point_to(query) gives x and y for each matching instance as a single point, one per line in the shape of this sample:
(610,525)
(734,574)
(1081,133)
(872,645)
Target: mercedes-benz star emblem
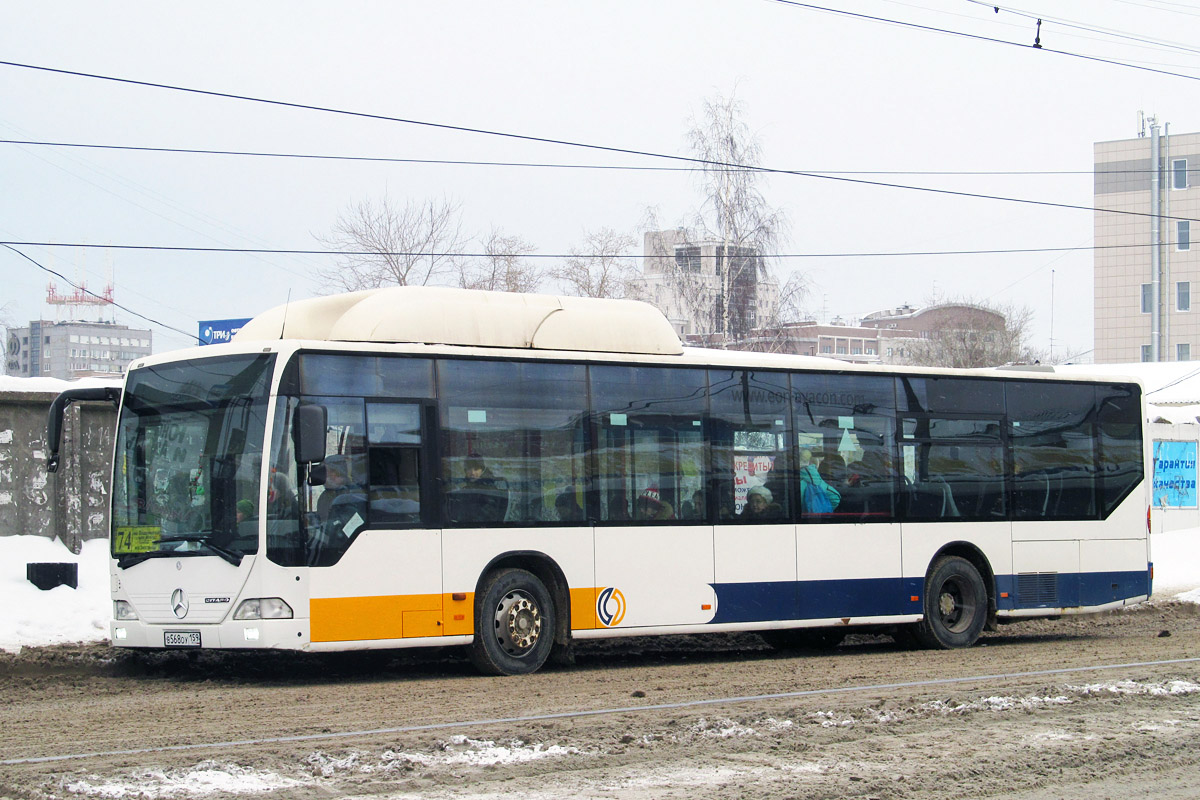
(179,603)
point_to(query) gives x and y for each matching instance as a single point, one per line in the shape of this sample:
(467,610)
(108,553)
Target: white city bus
(411,467)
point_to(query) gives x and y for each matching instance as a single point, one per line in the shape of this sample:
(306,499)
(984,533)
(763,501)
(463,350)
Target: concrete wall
(73,503)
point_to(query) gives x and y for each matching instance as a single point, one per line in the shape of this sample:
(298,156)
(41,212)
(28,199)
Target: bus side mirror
(308,433)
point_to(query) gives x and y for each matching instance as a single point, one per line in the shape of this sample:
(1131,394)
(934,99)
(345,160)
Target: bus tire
(804,638)
(515,620)
(956,605)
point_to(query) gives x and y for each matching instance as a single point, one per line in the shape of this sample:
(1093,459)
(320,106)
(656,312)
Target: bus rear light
(263,608)
(123,610)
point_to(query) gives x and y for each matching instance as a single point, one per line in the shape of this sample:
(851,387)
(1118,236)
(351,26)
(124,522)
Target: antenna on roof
(287,303)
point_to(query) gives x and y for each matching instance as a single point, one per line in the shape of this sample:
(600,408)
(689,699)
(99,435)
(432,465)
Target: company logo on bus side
(610,606)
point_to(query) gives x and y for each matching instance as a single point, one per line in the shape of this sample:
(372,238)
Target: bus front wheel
(515,624)
(956,605)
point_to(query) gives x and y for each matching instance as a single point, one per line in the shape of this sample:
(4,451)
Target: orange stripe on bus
(349,619)
(583,609)
(460,613)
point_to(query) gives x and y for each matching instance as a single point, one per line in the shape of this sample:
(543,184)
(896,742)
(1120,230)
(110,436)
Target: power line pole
(1155,243)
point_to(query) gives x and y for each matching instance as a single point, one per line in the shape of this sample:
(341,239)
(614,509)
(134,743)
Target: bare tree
(502,267)
(601,266)
(734,213)
(390,245)
(973,334)
(711,275)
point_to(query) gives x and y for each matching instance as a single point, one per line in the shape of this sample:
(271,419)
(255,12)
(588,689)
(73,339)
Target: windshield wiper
(133,559)
(127,560)
(231,556)
(202,538)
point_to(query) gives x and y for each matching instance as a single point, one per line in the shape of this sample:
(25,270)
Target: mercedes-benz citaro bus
(411,467)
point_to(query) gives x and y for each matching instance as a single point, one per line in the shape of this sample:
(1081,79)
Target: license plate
(181,638)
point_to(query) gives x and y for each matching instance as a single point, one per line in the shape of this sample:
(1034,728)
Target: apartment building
(74,349)
(1147,194)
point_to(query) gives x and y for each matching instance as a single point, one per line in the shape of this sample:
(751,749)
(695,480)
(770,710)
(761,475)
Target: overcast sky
(823,91)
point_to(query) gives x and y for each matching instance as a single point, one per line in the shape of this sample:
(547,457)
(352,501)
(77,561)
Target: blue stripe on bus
(881,597)
(1070,589)
(862,597)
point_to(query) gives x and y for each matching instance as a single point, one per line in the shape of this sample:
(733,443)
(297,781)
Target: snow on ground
(10,383)
(318,769)
(33,617)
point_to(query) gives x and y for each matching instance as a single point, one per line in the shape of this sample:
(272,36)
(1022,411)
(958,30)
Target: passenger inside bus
(694,508)
(281,497)
(760,505)
(337,484)
(816,496)
(566,506)
(481,497)
(650,506)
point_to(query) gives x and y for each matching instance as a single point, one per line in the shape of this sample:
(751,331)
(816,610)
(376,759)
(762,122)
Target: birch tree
(734,212)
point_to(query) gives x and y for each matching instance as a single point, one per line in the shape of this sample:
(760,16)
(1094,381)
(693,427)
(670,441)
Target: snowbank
(34,617)
(10,383)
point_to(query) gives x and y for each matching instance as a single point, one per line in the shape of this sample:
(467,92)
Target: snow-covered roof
(13,383)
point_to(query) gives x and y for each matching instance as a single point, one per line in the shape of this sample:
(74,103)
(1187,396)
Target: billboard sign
(219,331)
(1174,474)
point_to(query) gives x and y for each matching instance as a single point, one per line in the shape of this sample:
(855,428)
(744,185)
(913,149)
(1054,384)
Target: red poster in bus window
(749,471)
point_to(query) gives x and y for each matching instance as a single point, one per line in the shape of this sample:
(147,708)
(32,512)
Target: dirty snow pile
(33,617)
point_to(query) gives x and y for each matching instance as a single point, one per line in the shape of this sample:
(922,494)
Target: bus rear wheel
(956,605)
(515,624)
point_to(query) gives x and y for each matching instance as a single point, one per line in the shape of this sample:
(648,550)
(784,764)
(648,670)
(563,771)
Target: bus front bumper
(289,634)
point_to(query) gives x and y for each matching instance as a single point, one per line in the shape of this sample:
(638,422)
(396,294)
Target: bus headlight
(122,610)
(263,608)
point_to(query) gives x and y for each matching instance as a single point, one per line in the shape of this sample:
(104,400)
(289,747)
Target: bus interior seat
(932,499)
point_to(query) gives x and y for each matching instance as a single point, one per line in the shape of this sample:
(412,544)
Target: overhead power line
(1161,44)
(583,145)
(87,291)
(429,254)
(1041,48)
(551,165)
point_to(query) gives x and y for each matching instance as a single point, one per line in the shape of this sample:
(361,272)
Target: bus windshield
(189,458)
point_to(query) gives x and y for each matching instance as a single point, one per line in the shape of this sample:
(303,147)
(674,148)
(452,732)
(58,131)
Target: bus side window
(512,441)
(394,463)
(1054,461)
(649,425)
(844,430)
(1120,427)
(750,435)
(333,511)
(954,469)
